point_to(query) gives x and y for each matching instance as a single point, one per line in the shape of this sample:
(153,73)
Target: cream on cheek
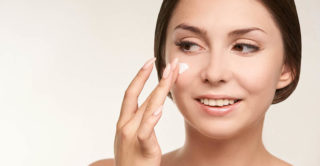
(183,67)
(188,75)
(184,79)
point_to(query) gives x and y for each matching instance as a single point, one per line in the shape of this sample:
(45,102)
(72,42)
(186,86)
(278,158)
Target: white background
(64,66)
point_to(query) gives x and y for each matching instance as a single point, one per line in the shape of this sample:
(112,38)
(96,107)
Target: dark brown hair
(283,12)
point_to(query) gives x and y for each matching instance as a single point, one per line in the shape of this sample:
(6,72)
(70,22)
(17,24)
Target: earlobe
(285,77)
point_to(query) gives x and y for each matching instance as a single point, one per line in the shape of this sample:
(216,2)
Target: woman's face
(224,60)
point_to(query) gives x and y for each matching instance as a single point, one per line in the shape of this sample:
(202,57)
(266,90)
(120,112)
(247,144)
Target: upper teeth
(219,102)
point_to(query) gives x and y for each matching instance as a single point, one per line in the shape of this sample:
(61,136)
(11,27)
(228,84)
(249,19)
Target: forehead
(218,16)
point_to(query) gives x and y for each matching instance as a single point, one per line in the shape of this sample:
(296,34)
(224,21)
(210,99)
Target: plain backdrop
(65,64)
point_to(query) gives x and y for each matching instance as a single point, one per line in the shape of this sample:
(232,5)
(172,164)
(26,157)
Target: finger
(133,124)
(161,91)
(155,103)
(130,101)
(136,121)
(175,74)
(146,135)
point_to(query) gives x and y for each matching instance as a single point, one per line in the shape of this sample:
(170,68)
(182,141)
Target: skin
(218,66)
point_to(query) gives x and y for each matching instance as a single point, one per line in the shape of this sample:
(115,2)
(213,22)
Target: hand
(135,141)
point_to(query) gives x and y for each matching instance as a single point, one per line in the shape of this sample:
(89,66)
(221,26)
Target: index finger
(160,93)
(130,100)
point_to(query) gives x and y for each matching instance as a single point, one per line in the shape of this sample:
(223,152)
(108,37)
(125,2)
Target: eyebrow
(203,32)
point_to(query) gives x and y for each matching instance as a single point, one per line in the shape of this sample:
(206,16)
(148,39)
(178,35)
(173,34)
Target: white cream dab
(183,67)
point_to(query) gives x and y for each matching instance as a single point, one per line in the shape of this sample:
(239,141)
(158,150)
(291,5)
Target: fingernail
(183,67)
(157,112)
(148,63)
(166,71)
(174,63)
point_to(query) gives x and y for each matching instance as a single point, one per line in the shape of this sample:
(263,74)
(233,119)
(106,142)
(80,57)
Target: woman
(237,57)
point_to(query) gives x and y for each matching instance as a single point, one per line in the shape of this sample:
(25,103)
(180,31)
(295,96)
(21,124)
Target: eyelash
(183,44)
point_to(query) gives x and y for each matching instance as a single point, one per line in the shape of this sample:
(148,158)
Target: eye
(187,46)
(245,48)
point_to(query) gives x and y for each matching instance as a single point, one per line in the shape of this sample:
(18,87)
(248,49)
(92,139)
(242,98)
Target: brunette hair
(283,12)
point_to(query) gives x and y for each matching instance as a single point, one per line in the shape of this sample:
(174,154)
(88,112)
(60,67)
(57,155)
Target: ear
(285,77)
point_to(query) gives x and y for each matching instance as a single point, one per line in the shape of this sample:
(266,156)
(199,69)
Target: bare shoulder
(110,162)
(171,158)
(279,162)
(282,163)
(104,162)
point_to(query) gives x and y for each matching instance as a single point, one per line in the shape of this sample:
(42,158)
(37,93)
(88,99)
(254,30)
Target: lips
(218,105)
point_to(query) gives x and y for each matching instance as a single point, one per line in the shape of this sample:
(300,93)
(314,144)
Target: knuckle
(142,137)
(124,133)
(143,134)
(149,122)
(129,92)
(162,85)
(148,111)
(118,127)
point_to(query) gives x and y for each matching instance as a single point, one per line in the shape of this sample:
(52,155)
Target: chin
(219,130)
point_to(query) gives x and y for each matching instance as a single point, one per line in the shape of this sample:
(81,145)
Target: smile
(218,105)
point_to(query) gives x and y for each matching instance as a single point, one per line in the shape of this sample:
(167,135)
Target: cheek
(183,81)
(260,76)
(189,76)
(258,79)
(187,79)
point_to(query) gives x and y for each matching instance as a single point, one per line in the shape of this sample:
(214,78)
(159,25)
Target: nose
(217,70)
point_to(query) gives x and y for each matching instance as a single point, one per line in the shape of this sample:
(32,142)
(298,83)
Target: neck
(244,149)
